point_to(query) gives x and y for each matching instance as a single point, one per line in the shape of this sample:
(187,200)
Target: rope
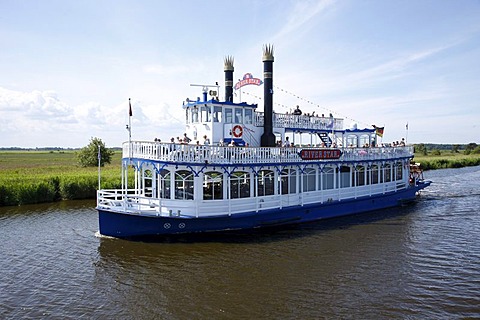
(307,101)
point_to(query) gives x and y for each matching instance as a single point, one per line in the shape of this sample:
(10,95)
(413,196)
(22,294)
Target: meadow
(46,176)
(446,159)
(28,177)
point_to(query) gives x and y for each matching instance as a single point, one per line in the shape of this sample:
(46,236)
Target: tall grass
(447,160)
(36,177)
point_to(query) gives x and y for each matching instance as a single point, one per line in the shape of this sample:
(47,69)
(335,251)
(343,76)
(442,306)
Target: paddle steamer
(238,176)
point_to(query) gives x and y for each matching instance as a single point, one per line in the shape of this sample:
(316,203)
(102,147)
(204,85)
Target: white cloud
(41,118)
(35,105)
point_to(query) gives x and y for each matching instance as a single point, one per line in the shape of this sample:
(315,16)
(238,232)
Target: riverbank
(28,177)
(447,160)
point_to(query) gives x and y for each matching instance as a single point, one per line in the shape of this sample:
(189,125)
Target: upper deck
(302,122)
(201,155)
(213,111)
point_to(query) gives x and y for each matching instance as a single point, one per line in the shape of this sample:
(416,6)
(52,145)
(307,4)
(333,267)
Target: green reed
(36,177)
(447,160)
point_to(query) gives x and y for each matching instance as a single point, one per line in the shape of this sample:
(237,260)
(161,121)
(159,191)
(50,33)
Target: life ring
(237,131)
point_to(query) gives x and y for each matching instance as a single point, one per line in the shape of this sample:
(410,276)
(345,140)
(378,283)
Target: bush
(88,156)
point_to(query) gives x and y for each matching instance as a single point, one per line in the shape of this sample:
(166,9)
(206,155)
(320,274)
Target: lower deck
(186,191)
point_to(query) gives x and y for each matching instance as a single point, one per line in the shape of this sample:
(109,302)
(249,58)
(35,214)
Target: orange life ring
(237,131)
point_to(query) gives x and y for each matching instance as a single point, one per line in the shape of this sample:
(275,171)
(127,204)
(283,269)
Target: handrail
(171,152)
(282,120)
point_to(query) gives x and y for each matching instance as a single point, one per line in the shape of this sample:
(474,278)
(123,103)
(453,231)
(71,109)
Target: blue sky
(67,68)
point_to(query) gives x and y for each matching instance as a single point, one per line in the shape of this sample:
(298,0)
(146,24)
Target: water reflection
(272,273)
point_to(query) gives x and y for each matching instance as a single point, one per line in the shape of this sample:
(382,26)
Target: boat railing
(304,121)
(134,203)
(201,154)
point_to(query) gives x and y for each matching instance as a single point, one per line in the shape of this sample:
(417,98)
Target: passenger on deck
(206,141)
(286,143)
(186,139)
(297,111)
(172,145)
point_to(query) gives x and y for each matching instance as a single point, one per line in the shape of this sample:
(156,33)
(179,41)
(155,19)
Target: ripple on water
(419,261)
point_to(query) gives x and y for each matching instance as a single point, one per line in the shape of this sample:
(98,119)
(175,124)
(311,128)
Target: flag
(379,130)
(130,108)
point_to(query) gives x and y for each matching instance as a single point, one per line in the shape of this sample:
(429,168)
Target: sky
(68,68)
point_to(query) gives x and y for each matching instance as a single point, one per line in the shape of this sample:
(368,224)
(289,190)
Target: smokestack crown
(268,52)
(228,63)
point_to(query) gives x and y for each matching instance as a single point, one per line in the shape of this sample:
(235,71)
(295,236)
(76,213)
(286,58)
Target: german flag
(379,130)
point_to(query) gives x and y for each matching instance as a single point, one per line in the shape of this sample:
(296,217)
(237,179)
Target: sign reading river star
(317,154)
(248,79)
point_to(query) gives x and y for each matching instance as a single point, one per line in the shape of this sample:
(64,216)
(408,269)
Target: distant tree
(421,148)
(436,152)
(470,147)
(476,150)
(88,156)
(455,148)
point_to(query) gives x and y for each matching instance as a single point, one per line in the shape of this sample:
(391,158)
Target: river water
(421,261)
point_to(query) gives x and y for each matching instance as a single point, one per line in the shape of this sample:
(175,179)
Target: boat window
(147,183)
(217,114)
(228,115)
(212,185)
(184,185)
(388,172)
(399,170)
(240,185)
(328,178)
(205,114)
(359,176)
(374,172)
(238,115)
(288,179)
(163,183)
(248,116)
(309,178)
(265,183)
(345,176)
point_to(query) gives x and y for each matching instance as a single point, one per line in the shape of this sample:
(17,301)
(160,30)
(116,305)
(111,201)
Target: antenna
(205,88)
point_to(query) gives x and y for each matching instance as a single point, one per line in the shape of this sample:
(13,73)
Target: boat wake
(99,235)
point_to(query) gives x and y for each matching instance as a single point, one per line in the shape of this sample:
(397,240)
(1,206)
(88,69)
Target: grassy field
(35,177)
(447,159)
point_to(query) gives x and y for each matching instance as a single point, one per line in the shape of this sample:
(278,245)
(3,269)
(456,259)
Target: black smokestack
(268,138)
(228,68)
